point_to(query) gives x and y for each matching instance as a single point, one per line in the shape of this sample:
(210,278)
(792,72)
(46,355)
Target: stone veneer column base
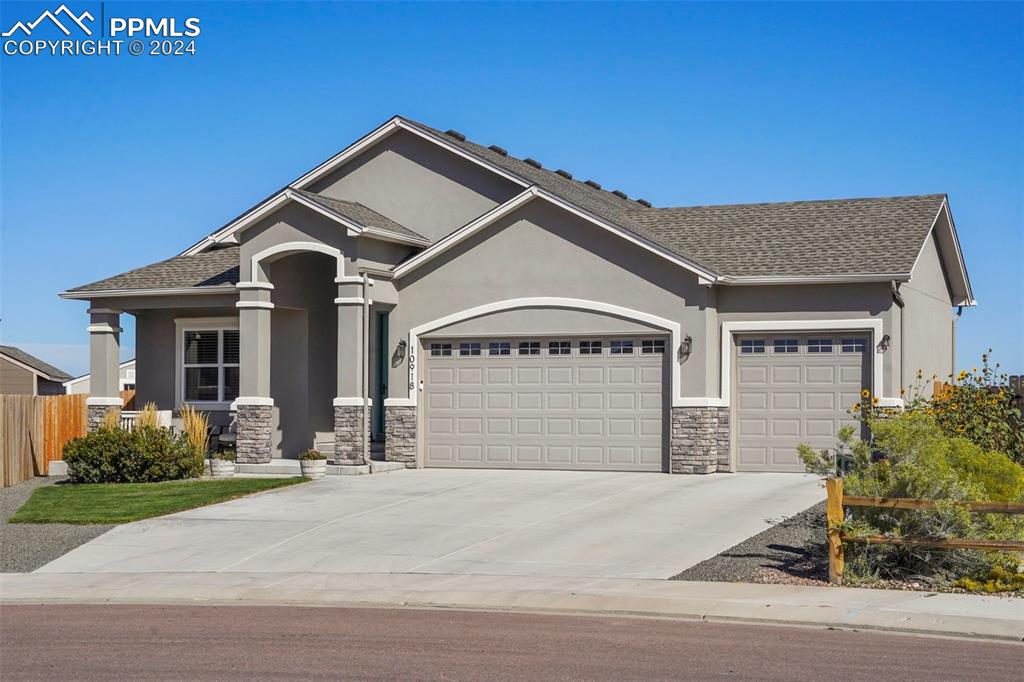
(253,440)
(700,440)
(94,415)
(400,435)
(348,436)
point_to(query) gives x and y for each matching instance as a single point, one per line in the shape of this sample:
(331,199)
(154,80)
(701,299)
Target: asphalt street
(98,642)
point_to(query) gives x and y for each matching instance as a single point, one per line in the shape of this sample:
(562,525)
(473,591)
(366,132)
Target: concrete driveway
(525,523)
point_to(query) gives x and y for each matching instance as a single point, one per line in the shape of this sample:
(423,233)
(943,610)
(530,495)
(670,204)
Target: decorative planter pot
(222,468)
(313,468)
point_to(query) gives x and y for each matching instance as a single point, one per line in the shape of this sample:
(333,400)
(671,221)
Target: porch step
(290,467)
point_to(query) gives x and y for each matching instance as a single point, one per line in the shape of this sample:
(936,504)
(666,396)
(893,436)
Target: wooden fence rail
(835,516)
(35,429)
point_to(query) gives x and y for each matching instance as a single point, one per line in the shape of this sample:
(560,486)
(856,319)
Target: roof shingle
(45,368)
(210,269)
(362,215)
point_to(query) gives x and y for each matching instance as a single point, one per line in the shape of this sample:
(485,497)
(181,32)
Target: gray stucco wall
(541,250)
(16,380)
(417,184)
(927,324)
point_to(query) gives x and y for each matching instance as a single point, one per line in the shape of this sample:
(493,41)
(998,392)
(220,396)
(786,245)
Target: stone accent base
(253,440)
(94,415)
(348,434)
(700,440)
(400,435)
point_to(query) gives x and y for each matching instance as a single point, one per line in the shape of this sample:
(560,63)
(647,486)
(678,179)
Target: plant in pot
(313,464)
(222,464)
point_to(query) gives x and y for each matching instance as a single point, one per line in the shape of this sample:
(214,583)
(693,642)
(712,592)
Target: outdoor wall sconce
(685,347)
(399,355)
(883,345)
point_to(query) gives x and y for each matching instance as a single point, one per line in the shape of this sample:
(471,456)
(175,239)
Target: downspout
(366,368)
(952,360)
(898,299)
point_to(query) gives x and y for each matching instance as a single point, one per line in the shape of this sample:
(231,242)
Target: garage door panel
(568,410)
(805,398)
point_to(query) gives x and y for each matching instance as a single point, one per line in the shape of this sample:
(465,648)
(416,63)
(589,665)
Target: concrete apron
(987,617)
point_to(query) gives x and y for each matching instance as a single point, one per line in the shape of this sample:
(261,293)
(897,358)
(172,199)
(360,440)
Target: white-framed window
(652,346)
(529,347)
(819,345)
(782,346)
(469,348)
(853,345)
(621,347)
(440,350)
(751,346)
(590,347)
(499,348)
(559,347)
(209,364)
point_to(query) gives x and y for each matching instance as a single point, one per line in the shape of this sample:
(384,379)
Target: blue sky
(115,162)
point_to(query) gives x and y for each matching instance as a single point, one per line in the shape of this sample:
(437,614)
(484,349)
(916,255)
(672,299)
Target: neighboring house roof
(83,377)
(362,215)
(801,238)
(213,270)
(33,364)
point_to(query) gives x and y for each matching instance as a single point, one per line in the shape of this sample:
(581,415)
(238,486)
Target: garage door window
(652,346)
(469,349)
(819,345)
(438,350)
(529,347)
(559,348)
(751,346)
(590,347)
(783,346)
(853,345)
(621,347)
(499,348)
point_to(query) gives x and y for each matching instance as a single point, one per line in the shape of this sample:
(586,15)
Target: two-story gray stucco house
(490,312)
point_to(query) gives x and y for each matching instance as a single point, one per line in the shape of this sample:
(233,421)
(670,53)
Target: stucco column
(254,408)
(348,405)
(104,361)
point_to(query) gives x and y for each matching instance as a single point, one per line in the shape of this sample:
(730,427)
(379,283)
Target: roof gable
(33,364)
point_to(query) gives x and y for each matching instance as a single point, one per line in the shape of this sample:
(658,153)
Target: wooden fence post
(834,519)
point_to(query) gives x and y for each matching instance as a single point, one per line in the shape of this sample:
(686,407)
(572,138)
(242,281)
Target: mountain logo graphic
(27,28)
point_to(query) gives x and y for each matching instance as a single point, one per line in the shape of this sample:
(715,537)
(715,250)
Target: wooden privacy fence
(35,430)
(835,516)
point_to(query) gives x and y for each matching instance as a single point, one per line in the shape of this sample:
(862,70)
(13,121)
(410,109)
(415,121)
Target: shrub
(312,455)
(140,456)
(227,455)
(910,456)
(979,405)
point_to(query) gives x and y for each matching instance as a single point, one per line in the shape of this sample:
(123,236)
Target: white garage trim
(673,328)
(872,325)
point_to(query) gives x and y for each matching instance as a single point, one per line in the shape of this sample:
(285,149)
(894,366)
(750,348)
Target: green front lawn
(124,502)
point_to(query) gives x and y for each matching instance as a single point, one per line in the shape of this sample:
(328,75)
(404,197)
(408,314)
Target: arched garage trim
(673,328)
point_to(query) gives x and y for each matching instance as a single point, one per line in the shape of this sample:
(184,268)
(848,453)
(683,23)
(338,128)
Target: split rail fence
(35,429)
(835,515)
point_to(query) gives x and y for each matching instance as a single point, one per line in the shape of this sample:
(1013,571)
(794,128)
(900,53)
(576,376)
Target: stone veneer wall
(94,415)
(348,434)
(252,445)
(700,440)
(400,435)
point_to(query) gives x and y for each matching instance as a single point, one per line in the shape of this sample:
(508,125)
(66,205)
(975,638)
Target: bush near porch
(926,452)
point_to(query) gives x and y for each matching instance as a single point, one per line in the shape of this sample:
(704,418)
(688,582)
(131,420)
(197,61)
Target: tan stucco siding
(543,251)
(928,330)
(16,380)
(418,184)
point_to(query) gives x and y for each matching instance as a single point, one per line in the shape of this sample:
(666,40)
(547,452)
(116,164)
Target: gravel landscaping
(24,547)
(792,551)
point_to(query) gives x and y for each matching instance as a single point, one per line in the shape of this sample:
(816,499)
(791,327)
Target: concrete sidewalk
(997,618)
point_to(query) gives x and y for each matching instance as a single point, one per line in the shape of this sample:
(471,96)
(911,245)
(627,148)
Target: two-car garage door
(791,389)
(552,403)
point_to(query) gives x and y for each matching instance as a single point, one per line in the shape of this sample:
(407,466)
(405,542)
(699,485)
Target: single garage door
(555,403)
(792,389)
